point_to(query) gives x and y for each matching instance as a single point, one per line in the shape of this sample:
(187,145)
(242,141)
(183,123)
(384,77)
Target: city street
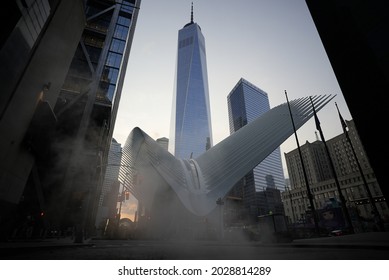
(365,246)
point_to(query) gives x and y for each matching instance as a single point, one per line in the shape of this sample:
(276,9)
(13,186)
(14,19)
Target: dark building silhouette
(86,111)
(63,67)
(355,36)
(36,49)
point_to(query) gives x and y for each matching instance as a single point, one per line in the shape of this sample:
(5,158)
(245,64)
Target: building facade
(36,49)
(322,184)
(270,202)
(191,131)
(353,34)
(109,193)
(87,106)
(74,59)
(246,102)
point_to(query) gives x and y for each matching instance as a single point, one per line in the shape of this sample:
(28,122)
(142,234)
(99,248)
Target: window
(121,32)
(110,75)
(106,91)
(185,42)
(117,46)
(114,59)
(127,6)
(110,92)
(124,21)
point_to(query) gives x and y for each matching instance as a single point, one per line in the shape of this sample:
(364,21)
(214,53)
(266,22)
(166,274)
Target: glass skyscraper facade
(246,102)
(71,57)
(191,132)
(88,102)
(106,209)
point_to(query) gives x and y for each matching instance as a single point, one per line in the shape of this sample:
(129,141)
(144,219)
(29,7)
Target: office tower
(354,35)
(107,209)
(66,63)
(37,44)
(190,131)
(247,102)
(87,106)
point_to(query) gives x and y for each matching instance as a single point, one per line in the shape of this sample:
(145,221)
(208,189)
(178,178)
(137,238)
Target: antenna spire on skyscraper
(191,14)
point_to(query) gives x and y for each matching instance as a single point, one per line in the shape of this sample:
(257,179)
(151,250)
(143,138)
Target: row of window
(115,55)
(185,42)
(128,6)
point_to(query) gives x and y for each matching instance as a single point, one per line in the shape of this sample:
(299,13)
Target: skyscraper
(71,57)
(88,102)
(191,132)
(246,102)
(108,191)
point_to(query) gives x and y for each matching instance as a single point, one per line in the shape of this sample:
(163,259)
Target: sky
(273,44)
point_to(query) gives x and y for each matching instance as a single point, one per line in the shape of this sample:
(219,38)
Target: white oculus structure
(150,170)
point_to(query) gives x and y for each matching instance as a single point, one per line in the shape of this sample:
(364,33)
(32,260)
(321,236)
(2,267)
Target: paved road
(367,246)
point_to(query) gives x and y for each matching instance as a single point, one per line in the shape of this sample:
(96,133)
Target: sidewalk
(366,239)
(42,243)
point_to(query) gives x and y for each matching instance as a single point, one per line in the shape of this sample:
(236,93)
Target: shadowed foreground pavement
(362,246)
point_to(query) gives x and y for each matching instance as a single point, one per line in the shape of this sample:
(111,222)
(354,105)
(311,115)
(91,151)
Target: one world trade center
(191,132)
